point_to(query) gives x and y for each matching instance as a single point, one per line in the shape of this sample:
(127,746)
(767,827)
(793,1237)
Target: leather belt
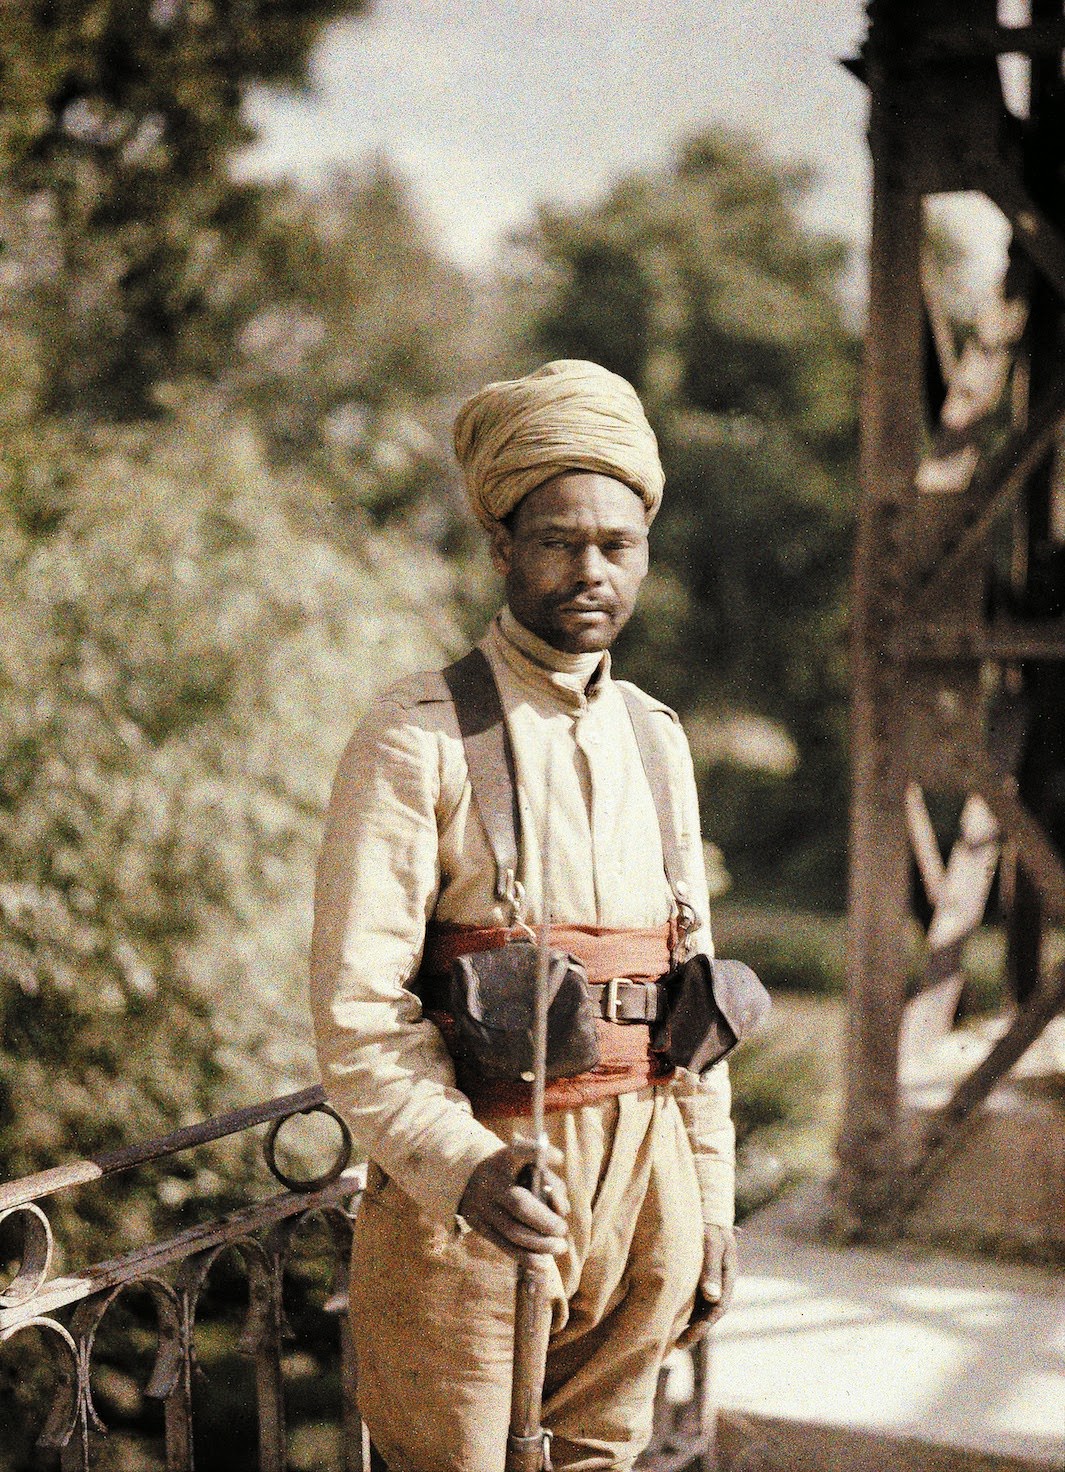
(619,1000)
(642,955)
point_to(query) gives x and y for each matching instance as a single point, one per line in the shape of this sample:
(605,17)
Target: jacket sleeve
(386,1069)
(705,1102)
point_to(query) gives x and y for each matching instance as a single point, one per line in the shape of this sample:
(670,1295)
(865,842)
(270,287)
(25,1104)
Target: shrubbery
(181,660)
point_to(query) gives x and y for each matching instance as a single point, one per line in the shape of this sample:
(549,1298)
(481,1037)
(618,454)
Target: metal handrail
(110,1162)
(174,1272)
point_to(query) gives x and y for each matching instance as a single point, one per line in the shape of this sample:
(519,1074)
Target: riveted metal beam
(959,574)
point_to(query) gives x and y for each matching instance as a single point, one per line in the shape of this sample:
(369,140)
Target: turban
(570,415)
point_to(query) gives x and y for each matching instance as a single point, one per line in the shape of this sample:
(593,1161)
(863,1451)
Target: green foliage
(792,951)
(219,514)
(180,663)
(772,1099)
(702,286)
(121,226)
(354,327)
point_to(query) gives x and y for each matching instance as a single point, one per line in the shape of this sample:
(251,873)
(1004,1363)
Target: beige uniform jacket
(403,842)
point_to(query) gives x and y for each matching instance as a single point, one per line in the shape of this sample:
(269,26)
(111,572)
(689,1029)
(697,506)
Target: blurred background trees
(228,514)
(355,334)
(700,285)
(206,431)
(124,231)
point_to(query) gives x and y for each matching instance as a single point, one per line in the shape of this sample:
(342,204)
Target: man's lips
(587,608)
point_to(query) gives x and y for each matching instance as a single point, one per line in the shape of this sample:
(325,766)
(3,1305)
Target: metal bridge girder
(945,532)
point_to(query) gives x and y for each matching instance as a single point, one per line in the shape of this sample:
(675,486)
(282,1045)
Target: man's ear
(502,546)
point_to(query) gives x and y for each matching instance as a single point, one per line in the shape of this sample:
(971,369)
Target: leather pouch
(493,1003)
(710,1007)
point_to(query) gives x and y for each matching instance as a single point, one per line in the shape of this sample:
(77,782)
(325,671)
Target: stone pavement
(857,1357)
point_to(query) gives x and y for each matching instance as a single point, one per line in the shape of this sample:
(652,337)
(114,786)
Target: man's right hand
(507,1213)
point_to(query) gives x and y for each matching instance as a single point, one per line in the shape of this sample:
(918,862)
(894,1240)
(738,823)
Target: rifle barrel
(527,1442)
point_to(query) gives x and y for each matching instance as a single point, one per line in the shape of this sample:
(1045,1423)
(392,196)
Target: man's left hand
(716,1284)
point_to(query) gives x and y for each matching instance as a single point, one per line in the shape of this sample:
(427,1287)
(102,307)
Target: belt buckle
(610,999)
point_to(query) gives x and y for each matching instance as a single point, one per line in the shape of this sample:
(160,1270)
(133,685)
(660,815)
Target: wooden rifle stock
(528,1444)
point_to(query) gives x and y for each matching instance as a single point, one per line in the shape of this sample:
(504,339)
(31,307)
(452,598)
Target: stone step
(917,1348)
(761,1444)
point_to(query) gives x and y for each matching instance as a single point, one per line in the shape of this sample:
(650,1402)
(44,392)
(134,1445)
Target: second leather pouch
(711,1006)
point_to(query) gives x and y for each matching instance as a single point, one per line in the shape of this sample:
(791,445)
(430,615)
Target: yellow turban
(569,415)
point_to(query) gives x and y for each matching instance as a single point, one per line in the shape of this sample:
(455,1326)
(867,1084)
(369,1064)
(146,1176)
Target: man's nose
(591,565)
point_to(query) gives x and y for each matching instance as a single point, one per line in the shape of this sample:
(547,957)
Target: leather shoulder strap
(490,759)
(486,743)
(656,769)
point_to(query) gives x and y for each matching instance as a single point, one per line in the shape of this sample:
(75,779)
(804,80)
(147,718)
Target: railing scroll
(174,1274)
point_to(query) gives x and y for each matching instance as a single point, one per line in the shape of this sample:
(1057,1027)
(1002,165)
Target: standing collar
(539,663)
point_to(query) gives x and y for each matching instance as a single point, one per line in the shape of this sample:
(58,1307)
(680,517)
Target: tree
(354,327)
(182,656)
(701,285)
(121,227)
(204,572)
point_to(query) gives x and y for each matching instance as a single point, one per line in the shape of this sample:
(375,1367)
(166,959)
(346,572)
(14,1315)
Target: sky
(492,106)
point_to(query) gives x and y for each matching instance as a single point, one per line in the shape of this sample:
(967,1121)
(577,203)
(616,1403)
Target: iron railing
(173,1273)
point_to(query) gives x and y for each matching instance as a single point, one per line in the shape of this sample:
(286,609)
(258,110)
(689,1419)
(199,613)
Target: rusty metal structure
(959,588)
(67,1312)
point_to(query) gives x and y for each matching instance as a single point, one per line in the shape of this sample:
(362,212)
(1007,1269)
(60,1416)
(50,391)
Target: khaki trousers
(433,1311)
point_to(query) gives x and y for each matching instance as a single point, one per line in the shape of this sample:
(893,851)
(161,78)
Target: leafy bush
(791,950)
(181,659)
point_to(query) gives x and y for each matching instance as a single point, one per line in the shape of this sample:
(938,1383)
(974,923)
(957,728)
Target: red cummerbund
(626,1062)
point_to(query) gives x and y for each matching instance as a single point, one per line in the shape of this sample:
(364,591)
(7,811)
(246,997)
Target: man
(563,471)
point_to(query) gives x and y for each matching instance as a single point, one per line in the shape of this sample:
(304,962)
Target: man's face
(573,558)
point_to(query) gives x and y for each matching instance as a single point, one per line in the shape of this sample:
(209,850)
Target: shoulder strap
(656,769)
(486,743)
(490,759)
